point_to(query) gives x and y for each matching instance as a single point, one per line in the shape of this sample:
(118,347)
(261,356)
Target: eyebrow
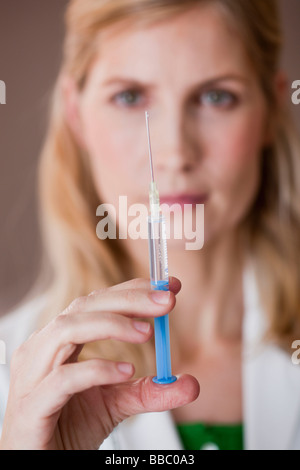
(205,84)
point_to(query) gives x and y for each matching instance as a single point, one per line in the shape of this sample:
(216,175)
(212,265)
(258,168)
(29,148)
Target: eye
(218,98)
(128,98)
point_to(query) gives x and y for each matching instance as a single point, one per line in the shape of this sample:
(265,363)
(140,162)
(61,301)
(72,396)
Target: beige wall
(30,39)
(31,32)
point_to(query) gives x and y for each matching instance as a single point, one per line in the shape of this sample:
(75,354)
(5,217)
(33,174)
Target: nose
(176,142)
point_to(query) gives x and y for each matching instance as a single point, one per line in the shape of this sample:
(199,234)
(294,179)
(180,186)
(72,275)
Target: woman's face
(207,116)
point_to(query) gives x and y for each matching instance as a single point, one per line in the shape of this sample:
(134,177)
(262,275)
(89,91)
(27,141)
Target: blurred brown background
(31,33)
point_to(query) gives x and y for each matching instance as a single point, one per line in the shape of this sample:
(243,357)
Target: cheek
(113,152)
(103,145)
(242,147)
(236,165)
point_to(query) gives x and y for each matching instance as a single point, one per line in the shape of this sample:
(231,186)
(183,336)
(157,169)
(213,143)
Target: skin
(214,121)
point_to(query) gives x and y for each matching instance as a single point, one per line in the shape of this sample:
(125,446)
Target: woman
(208,73)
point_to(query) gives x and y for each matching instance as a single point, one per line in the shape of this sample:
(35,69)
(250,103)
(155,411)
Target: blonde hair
(68,200)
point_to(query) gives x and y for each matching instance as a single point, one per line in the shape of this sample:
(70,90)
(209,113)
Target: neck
(210,304)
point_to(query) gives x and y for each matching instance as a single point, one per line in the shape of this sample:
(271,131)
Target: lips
(183,199)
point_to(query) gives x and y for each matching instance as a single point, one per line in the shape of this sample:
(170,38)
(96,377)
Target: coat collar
(148,431)
(271,383)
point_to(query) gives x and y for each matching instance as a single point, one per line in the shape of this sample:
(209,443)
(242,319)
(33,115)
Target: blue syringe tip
(163,381)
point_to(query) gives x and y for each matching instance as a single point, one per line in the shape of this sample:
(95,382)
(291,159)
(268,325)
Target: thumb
(143,395)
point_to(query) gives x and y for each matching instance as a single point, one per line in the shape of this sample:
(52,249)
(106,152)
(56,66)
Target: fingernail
(141,326)
(161,297)
(125,368)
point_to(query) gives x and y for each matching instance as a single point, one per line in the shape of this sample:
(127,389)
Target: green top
(199,436)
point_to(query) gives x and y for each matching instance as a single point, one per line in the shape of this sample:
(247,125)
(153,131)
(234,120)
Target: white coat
(270,384)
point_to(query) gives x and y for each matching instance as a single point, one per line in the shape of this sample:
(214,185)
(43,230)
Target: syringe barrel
(160,281)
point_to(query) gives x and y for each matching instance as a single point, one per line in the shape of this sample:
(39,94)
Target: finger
(143,395)
(59,340)
(65,381)
(141,283)
(55,343)
(133,302)
(174,284)
(72,330)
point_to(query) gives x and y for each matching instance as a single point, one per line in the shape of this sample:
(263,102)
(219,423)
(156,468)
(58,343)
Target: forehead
(196,42)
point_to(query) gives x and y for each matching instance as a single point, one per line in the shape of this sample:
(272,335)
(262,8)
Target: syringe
(159,276)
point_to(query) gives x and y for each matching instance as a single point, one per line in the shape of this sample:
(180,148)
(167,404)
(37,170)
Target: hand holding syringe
(48,388)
